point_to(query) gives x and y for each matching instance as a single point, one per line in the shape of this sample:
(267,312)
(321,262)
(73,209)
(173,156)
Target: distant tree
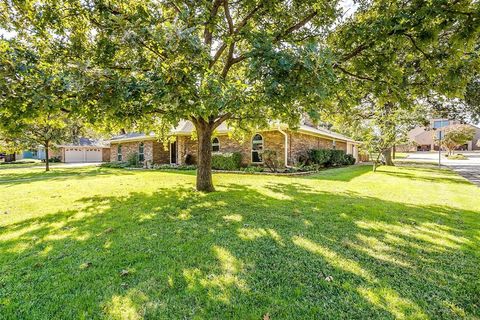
(34,100)
(455,136)
(399,53)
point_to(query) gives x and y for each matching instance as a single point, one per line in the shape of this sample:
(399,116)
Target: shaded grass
(345,243)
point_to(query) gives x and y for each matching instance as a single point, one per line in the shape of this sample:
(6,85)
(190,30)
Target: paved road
(469,169)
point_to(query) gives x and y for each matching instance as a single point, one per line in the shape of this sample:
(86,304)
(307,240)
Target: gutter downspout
(286,145)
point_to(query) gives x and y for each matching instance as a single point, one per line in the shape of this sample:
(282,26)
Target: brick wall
(272,140)
(56,153)
(340,145)
(106,154)
(186,146)
(299,143)
(129,148)
(161,155)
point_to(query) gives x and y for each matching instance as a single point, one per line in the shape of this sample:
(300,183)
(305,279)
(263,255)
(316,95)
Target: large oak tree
(147,65)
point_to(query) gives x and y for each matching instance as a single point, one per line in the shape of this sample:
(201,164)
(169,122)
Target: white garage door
(74,155)
(94,155)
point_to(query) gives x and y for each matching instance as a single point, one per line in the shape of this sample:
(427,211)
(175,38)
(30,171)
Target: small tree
(270,158)
(46,131)
(35,96)
(456,136)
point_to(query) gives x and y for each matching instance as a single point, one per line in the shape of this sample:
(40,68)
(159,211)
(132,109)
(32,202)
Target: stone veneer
(298,144)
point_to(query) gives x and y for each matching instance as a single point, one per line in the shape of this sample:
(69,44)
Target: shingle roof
(87,142)
(186,128)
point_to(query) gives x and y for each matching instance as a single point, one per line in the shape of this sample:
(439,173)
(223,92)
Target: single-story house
(425,138)
(82,150)
(289,144)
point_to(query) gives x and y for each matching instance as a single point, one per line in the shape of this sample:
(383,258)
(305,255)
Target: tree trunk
(387,155)
(47,162)
(204,162)
(394,151)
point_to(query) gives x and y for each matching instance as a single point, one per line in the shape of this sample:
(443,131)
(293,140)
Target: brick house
(289,144)
(82,150)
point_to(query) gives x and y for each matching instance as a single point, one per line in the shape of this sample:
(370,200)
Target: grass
(457,156)
(401,155)
(96,243)
(23,163)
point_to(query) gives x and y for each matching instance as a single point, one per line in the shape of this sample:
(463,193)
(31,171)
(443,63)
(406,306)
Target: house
(289,144)
(422,138)
(82,150)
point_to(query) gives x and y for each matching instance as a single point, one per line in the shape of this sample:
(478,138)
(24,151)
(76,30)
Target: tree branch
(228,17)
(353,74)
(221,119)
(208,34)
(412,40)
(237,30)
(228,64)
(296,26)
(247,17)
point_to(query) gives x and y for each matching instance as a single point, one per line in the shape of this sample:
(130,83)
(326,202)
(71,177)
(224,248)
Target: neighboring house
(290,145)
(423,138)
(83,150)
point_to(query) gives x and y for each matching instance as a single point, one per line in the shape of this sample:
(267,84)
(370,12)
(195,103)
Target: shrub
(303,158)
(54,159)
(189,159)
(132,160)
(270,159)
(320,156)
(337,158)
(349,159)
(457,157)
(173,167)
(330,158)
(253,169)
(226,161)
(114,165)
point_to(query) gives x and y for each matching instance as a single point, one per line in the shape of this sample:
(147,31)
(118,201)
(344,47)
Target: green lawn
(345,243)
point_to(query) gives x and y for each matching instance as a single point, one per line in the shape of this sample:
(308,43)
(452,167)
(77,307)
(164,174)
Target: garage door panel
(94,155)
(74,155)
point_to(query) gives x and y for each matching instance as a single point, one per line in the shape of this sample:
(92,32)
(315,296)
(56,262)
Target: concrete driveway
(469,169)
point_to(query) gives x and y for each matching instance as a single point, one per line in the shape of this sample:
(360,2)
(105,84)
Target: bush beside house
(330,158)
(227,161)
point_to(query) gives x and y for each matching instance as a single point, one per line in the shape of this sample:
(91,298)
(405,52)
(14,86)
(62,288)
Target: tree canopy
(144,65)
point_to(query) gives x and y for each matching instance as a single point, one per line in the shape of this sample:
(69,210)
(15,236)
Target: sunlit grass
(346,243)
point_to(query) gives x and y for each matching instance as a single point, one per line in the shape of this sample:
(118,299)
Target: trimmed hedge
(330,158)
(226,161)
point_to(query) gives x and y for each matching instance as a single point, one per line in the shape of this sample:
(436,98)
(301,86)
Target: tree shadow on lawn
(241,253)
(17,178)
(412,174)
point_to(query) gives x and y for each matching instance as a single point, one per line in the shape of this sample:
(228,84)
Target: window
(334,144)
(215,145)
(119,152)
(440,123)
(141,154)
(257,148)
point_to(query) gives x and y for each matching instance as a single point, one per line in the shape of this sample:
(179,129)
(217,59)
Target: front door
(173,152)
